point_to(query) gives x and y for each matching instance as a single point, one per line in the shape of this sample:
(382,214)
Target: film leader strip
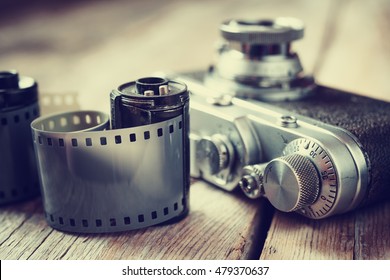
(95,180)
(18,172)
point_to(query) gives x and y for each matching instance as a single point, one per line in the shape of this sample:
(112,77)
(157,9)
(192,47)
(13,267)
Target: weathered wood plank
(294,237)
(359,235)
(211,231)
(372,238)
(23,230)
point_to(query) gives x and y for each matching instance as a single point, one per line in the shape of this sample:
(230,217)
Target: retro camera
(309,149)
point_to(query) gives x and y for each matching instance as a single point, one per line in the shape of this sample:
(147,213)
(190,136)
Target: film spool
(97,180)
(18,107)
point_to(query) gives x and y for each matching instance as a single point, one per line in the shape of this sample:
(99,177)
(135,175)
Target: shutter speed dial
(303,180)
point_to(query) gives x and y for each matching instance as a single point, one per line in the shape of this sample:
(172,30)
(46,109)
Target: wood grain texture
(220,226)
(372,233)
(295,237)
(90,47)
(360,235)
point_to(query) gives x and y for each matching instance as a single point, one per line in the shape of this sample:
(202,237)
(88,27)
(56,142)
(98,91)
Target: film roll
(98,180)
(18,107)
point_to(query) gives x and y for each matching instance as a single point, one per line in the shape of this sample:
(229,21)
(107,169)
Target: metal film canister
(18,107)
(135,175)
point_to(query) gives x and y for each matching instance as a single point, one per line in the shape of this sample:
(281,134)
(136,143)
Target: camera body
(309,149)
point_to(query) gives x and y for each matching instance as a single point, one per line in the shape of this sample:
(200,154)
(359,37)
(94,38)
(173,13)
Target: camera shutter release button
(291,182)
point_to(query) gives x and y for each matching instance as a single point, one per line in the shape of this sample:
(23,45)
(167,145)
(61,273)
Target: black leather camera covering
(368,119)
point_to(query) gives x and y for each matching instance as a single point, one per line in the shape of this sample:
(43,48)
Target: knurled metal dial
(325,170)
(275,31)
(291,182)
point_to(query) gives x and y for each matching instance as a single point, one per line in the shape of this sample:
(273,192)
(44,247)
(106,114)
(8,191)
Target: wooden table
(91,47)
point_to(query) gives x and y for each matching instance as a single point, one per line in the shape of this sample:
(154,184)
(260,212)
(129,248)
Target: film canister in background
(18,107)
(95,179)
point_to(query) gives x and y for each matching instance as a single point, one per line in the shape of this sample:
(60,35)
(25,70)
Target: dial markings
(328,176)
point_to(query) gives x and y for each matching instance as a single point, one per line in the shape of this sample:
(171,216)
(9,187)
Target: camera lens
(256,60)
(264,31)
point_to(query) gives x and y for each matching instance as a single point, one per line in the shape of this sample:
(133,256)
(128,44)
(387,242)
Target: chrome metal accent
(255,131)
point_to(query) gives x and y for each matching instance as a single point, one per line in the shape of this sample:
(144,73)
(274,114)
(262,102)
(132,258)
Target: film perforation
(113,222)
(88,142)
(78,140)
(141,218)
(74,142)
(61,142)
(19,116)
(127,220)
(16,148)
(103,141)
(133,137)
(57,101)
(124,158)
(16,193)
(159,132)
(110,222)
(98,223)
(118,139)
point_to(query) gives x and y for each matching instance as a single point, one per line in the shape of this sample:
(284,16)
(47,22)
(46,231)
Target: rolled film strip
(18,107)
(97,180)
